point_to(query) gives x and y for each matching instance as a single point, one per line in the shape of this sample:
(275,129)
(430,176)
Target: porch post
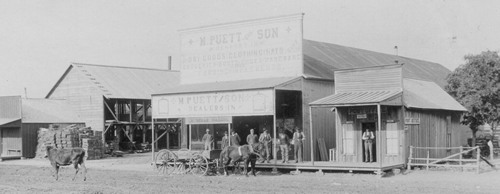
(229,133)
(152,139)
(379,120)
(189,138)
(311,134)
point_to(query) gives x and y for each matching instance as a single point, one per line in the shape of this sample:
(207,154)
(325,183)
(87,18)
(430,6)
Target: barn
(400,112)
(21,118)
(115,100)
(262,74)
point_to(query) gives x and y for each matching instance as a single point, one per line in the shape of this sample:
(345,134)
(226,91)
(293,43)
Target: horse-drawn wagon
(207,161)
(185,161)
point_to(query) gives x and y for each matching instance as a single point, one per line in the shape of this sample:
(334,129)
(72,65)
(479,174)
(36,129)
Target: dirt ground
(133,174)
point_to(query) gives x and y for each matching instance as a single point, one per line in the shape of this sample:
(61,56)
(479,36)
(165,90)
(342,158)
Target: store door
(370,126)
(11,141)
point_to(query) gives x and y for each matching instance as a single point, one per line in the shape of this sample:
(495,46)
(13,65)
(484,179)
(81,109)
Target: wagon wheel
(166,162)
(198,165)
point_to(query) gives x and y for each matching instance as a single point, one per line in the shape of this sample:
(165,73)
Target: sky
(39,39)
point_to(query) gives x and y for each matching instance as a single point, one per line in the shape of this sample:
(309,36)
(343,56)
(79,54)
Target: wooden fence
(457,160)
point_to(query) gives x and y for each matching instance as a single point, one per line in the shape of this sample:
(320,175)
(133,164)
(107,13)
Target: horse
(65,157)
(237,154)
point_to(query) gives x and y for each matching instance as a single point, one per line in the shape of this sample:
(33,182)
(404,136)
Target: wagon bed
(200,163)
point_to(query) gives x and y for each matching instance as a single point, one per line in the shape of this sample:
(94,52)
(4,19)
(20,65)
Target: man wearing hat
(265,138)
(207,139)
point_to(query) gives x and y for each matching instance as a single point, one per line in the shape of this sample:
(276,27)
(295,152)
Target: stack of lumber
(70,137)
(94,147)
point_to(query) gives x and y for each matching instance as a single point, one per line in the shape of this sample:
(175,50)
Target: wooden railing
(437,162)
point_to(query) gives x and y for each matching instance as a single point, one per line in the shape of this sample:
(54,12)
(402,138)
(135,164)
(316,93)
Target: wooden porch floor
(334,166)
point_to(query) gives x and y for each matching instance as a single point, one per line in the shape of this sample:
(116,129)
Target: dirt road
(134,175)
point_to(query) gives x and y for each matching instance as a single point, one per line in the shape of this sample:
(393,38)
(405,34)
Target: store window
(348,138)
(392,139)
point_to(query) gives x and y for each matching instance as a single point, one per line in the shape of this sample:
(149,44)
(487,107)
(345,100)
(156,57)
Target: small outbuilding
(400,112)
(21,118)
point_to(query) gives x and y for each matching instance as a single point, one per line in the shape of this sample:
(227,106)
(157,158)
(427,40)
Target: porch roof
(357,98)
(4,121)
(227,85)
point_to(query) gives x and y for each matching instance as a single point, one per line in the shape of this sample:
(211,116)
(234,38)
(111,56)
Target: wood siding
(29,134)
(323,119)
(386,78)
(432,132)
(84,96)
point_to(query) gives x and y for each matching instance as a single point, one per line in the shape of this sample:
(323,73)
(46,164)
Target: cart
(199,163)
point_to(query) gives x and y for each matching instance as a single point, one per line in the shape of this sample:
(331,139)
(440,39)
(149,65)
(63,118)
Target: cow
(67,156)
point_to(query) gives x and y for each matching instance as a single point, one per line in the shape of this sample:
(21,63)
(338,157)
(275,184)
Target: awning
(360,98)
(4,121)
(227,86)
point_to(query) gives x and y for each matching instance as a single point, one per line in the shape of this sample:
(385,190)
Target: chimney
(169,63)
(396,50)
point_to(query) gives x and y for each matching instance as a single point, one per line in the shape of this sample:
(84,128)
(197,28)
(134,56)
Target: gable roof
(322,59)
(124,82)
(428,95)
(48,111)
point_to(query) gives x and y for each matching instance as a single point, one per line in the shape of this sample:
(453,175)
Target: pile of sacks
(69,137)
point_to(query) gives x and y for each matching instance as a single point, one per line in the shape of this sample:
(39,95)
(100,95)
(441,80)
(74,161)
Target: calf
(65,157)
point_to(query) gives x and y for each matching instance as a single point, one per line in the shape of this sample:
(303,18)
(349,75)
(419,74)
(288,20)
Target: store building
(260,74)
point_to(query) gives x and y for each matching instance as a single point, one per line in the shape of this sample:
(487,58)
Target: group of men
(266,139)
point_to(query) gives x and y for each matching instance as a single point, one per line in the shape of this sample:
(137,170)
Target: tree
(476,85)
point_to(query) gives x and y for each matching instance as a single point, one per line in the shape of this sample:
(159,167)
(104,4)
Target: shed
(399,111)
(115,100)
(21,118)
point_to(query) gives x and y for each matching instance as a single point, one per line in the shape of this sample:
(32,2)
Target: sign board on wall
(209,120)
(236,103)
(242,50)
(412,121)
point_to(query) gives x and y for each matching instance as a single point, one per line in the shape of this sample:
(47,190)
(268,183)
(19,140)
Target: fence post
(460,162)
(478,158)
(427,168)
(410,157)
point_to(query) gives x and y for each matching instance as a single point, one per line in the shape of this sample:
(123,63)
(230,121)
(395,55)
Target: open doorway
(371,127)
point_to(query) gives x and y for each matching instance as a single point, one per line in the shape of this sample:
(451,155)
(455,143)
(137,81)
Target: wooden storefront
(400,112)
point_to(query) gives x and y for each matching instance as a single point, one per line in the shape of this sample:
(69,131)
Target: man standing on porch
(298,138)
(284,143)
(235,139)
(368,138)
(251,138)
(207,139)
(265,138)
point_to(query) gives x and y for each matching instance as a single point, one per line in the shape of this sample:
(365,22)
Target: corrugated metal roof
(416,94)
(321,59)
(227,86)
(428,95)
(4,121)
(125,82)
(346,98)
(48,111)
